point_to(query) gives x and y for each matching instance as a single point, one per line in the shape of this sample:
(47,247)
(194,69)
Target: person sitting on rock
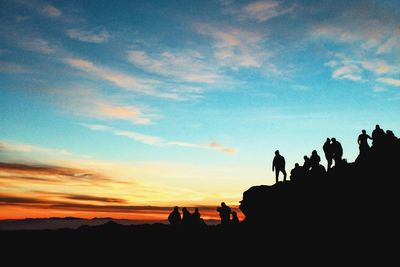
(235,219)
(174,217)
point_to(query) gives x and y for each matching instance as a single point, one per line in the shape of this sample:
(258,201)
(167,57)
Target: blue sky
(208,88)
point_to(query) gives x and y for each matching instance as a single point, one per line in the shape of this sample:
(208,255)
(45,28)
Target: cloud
(50,174)
(361,25)
(236,48)
(388,46)
(36,44)
(89,36)
(35,202)
(212,146)
(390,81)
(51,11)
(79,197)
(158,141)
(128,82)
(349,72)
(146,139)
(185,66)
(90,103)
(263,10)
(25,148)
(13,68)
(378,67)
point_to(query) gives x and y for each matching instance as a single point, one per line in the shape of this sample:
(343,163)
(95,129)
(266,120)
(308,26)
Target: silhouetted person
(196,218)
(186,217)
(363,142)
(296,173)
(315,159)
(327,147)
(235,219)
(278,164)
(174,217)
(377,135)
(224,213)
(337,151)
(307,164)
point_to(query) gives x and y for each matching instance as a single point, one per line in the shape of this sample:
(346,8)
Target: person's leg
(284,175)
(276,175)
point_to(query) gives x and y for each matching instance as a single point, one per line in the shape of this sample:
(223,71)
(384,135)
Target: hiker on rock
(278,164)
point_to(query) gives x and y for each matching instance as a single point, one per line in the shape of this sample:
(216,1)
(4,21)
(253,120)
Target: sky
(125,109)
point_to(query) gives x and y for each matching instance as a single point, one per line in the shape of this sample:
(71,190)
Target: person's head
(306,158)
(314,152)
(328,139)
(333,139)
(364,131)
(277,152)
(296,165)
(196,210)
(184,209)
(223,204)
(377,126)
(176,208)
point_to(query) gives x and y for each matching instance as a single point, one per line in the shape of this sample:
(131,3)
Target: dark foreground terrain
(348,215)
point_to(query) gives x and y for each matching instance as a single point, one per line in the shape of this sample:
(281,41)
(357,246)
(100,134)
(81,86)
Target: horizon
(128,109)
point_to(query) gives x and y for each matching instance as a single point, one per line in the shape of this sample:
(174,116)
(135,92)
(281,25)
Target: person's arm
(369,137)
(273,164)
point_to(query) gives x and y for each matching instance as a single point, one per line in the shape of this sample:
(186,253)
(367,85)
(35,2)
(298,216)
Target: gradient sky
(127,108)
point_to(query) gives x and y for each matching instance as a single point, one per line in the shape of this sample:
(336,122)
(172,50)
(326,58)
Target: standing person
(174,217)
(224,213)
(377,136)
(278,164)
(337,151)
(363,142)
(327,147)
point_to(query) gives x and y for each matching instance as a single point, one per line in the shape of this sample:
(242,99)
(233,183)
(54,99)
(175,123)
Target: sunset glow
(126,109)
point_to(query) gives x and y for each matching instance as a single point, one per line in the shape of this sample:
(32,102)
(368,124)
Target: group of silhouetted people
(228,217)
(186,219)
(333,153)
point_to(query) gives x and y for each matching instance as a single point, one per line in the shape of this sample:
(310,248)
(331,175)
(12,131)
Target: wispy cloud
(185,66)
(50,174)
(263,10)
(158,141)
(345,67)
(90,103)
(99,36)
(51,11)
(125,81)
(260,11)
(146,139)
(11,147)
(390,81)
(37,202)
(349,72)
(78,197)
(392,43)
(36,44)
(236,48)
(13,68)
(212,146)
